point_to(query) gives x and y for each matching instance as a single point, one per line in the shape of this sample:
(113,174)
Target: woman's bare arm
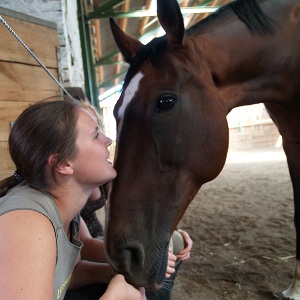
(27,256)
(93,249)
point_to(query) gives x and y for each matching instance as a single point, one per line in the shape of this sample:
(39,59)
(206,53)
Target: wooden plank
(41,40)
(27,18)
(9,111)
(7,166)
(20,82)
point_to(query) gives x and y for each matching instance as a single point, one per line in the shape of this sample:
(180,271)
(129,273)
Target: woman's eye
(97,135)
(165,103)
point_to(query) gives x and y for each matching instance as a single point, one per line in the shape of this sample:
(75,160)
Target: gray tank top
(22,197)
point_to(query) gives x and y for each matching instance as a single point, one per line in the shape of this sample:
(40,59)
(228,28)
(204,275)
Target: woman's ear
(64,168)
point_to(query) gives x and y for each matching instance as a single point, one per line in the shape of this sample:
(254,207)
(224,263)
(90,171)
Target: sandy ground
(243,232)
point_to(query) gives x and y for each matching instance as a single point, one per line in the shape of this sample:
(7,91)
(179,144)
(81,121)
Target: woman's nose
(108,141)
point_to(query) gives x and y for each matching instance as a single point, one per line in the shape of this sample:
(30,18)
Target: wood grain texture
(22,81)
(42,41)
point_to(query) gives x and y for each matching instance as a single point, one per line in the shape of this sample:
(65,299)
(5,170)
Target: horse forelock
(248,11)
(152,52)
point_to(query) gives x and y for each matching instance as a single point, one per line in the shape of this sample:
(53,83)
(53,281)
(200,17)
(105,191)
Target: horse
(172,132)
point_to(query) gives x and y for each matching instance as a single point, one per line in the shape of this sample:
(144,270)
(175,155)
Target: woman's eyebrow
(96,129)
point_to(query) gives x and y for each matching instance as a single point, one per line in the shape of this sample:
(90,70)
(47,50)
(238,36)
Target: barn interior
(75,44)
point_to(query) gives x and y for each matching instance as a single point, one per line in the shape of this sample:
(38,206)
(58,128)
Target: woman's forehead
(88,114)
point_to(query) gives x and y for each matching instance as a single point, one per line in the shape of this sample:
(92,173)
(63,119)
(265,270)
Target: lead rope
(32,54)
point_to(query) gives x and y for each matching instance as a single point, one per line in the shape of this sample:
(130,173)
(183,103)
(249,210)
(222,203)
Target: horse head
(172,137)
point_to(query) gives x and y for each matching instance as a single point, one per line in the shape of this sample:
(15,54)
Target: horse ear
(128,45)
(171,20)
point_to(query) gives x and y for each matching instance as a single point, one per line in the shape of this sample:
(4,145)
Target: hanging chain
(32,54)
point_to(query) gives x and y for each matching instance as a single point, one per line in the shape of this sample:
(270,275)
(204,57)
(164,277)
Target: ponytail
(7,184)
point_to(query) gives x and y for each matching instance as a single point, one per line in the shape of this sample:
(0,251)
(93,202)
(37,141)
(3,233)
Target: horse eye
(165,103)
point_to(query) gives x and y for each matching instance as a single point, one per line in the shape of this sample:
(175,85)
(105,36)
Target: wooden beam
(144,20)
(123,26)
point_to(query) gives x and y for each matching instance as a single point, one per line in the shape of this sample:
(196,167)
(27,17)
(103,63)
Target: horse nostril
(134,258)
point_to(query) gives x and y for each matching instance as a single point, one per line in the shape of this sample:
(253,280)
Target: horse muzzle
(130,260)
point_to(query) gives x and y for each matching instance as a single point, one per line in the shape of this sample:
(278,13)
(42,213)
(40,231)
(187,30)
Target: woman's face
(91,165)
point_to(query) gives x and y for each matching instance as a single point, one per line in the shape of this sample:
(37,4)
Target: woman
(61,157)
(97,199)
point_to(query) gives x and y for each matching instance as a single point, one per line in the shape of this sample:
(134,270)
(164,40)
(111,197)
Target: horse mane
(248,11)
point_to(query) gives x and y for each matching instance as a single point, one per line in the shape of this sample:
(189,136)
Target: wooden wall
(264,135)
(22,81)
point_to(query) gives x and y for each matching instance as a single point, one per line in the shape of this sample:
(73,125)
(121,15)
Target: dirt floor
(243,232)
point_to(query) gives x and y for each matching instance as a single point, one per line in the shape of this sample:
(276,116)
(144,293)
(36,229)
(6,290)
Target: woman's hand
(119,289)
(171,264)
(186,252)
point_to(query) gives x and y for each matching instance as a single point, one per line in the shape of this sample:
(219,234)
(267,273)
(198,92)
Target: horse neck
(240,73)
(250,68)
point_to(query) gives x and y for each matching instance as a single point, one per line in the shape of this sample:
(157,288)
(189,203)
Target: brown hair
(43,129)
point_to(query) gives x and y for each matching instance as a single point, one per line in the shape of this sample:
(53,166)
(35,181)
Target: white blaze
(130,92)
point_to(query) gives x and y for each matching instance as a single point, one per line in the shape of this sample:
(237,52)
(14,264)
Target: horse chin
(138,280)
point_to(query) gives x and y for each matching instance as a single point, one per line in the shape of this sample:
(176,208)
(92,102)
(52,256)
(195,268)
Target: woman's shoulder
(23,197)
(30,230)
(22,190)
